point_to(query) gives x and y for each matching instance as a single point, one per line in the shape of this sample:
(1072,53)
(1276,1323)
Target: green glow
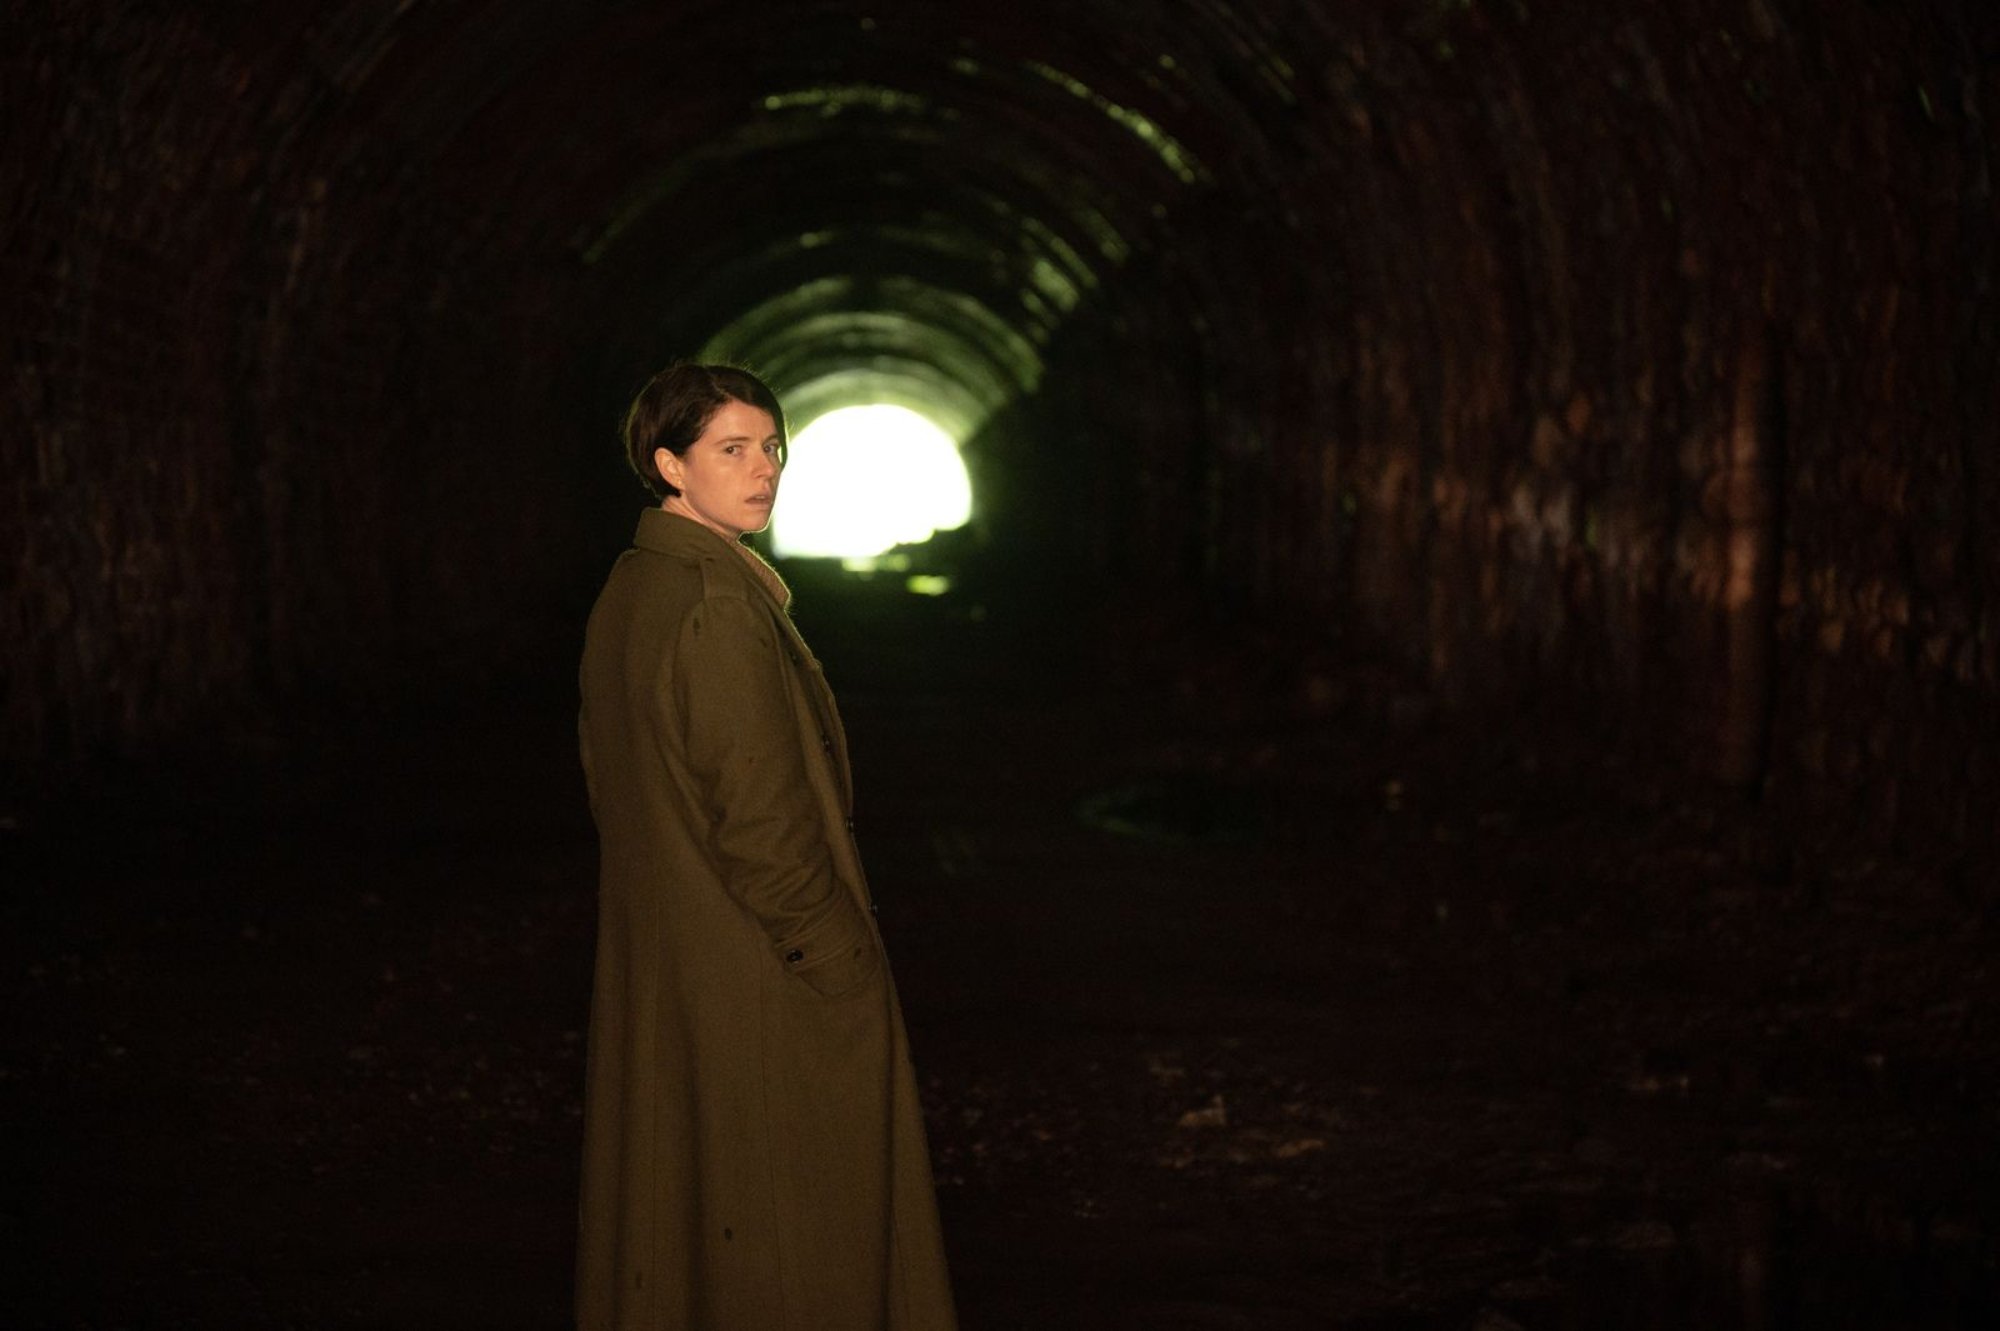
(1058,282)
(832,101)
(862,480)
(1184,164)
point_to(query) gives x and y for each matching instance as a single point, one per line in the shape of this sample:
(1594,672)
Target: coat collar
(671,534)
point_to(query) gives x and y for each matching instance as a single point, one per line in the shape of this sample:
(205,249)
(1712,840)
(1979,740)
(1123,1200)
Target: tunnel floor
(1236,1005)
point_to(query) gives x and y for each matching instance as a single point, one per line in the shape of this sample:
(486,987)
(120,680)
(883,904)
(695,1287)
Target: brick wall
(1639,362)
(273,432)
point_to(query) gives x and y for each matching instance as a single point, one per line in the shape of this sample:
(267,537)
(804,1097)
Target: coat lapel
(668,532)
(833,736)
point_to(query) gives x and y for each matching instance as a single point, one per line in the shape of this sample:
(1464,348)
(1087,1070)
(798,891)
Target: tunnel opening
(914,508)
(863,480)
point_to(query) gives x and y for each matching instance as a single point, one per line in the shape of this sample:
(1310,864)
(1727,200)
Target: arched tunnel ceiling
(1460,321)
(930,189)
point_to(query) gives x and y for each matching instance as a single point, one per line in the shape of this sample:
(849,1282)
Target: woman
(754,1154)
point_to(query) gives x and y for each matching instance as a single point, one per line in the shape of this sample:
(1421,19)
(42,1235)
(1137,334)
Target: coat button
(795,955)
(826,743)
(850,824)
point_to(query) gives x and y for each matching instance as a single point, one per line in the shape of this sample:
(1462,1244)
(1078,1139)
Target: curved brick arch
(1640,356)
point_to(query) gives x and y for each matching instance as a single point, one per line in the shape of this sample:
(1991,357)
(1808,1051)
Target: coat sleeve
(747,759)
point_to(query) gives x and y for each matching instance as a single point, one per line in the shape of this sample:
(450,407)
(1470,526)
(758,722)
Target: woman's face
(728,478)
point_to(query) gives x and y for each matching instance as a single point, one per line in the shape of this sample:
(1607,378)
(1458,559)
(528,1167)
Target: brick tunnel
(1428,377)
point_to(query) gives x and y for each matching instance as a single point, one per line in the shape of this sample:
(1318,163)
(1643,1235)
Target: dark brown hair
(676,405)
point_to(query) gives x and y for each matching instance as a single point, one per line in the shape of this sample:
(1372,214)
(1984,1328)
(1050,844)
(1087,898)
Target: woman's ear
(668,466)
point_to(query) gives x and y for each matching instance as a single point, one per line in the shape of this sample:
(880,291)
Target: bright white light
(863,479)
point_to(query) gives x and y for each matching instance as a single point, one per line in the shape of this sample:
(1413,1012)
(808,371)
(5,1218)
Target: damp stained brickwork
(270,434)
(1633,357)
(1630,357)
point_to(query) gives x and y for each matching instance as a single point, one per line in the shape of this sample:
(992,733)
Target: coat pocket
(837,955)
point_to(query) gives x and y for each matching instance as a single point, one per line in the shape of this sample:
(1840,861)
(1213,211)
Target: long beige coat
(754,1154)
